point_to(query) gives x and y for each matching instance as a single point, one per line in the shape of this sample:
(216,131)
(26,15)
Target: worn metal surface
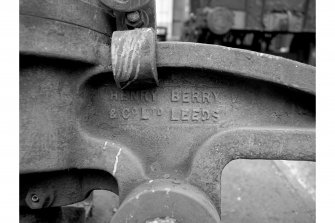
(158,133)
(71,30)
(166,201)
(213,105)
(239,62)
(254,143)
(53,39)
(74,12)
(162,220)
(134,58)
(125,5)
(255,191)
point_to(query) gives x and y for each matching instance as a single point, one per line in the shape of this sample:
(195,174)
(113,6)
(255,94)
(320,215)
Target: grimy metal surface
(79,131)
(134,58)
(125,5)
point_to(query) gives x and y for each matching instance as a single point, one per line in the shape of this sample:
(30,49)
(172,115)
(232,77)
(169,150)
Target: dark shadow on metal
(64,187)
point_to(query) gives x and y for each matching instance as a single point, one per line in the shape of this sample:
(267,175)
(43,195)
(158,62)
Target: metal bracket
(134,58)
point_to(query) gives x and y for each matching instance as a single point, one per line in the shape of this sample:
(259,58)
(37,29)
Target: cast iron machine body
(105,106)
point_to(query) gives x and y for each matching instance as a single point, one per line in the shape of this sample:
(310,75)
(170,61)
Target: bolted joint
(134,58)
(133,16)
(133,13)
(137,19)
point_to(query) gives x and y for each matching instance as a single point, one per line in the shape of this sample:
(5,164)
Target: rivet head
(35,198)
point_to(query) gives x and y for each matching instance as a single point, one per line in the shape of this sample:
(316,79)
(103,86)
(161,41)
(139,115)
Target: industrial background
(279,27)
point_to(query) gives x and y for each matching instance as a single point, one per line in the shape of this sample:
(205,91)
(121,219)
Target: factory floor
(252,191)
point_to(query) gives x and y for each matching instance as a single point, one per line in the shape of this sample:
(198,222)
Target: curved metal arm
(247,143)
(240,62)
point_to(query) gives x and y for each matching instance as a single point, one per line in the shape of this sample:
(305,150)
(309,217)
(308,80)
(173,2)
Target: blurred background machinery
(279,27)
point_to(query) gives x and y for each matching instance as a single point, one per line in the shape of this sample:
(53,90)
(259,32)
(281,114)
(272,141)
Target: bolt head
(34,198)
(133,16)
